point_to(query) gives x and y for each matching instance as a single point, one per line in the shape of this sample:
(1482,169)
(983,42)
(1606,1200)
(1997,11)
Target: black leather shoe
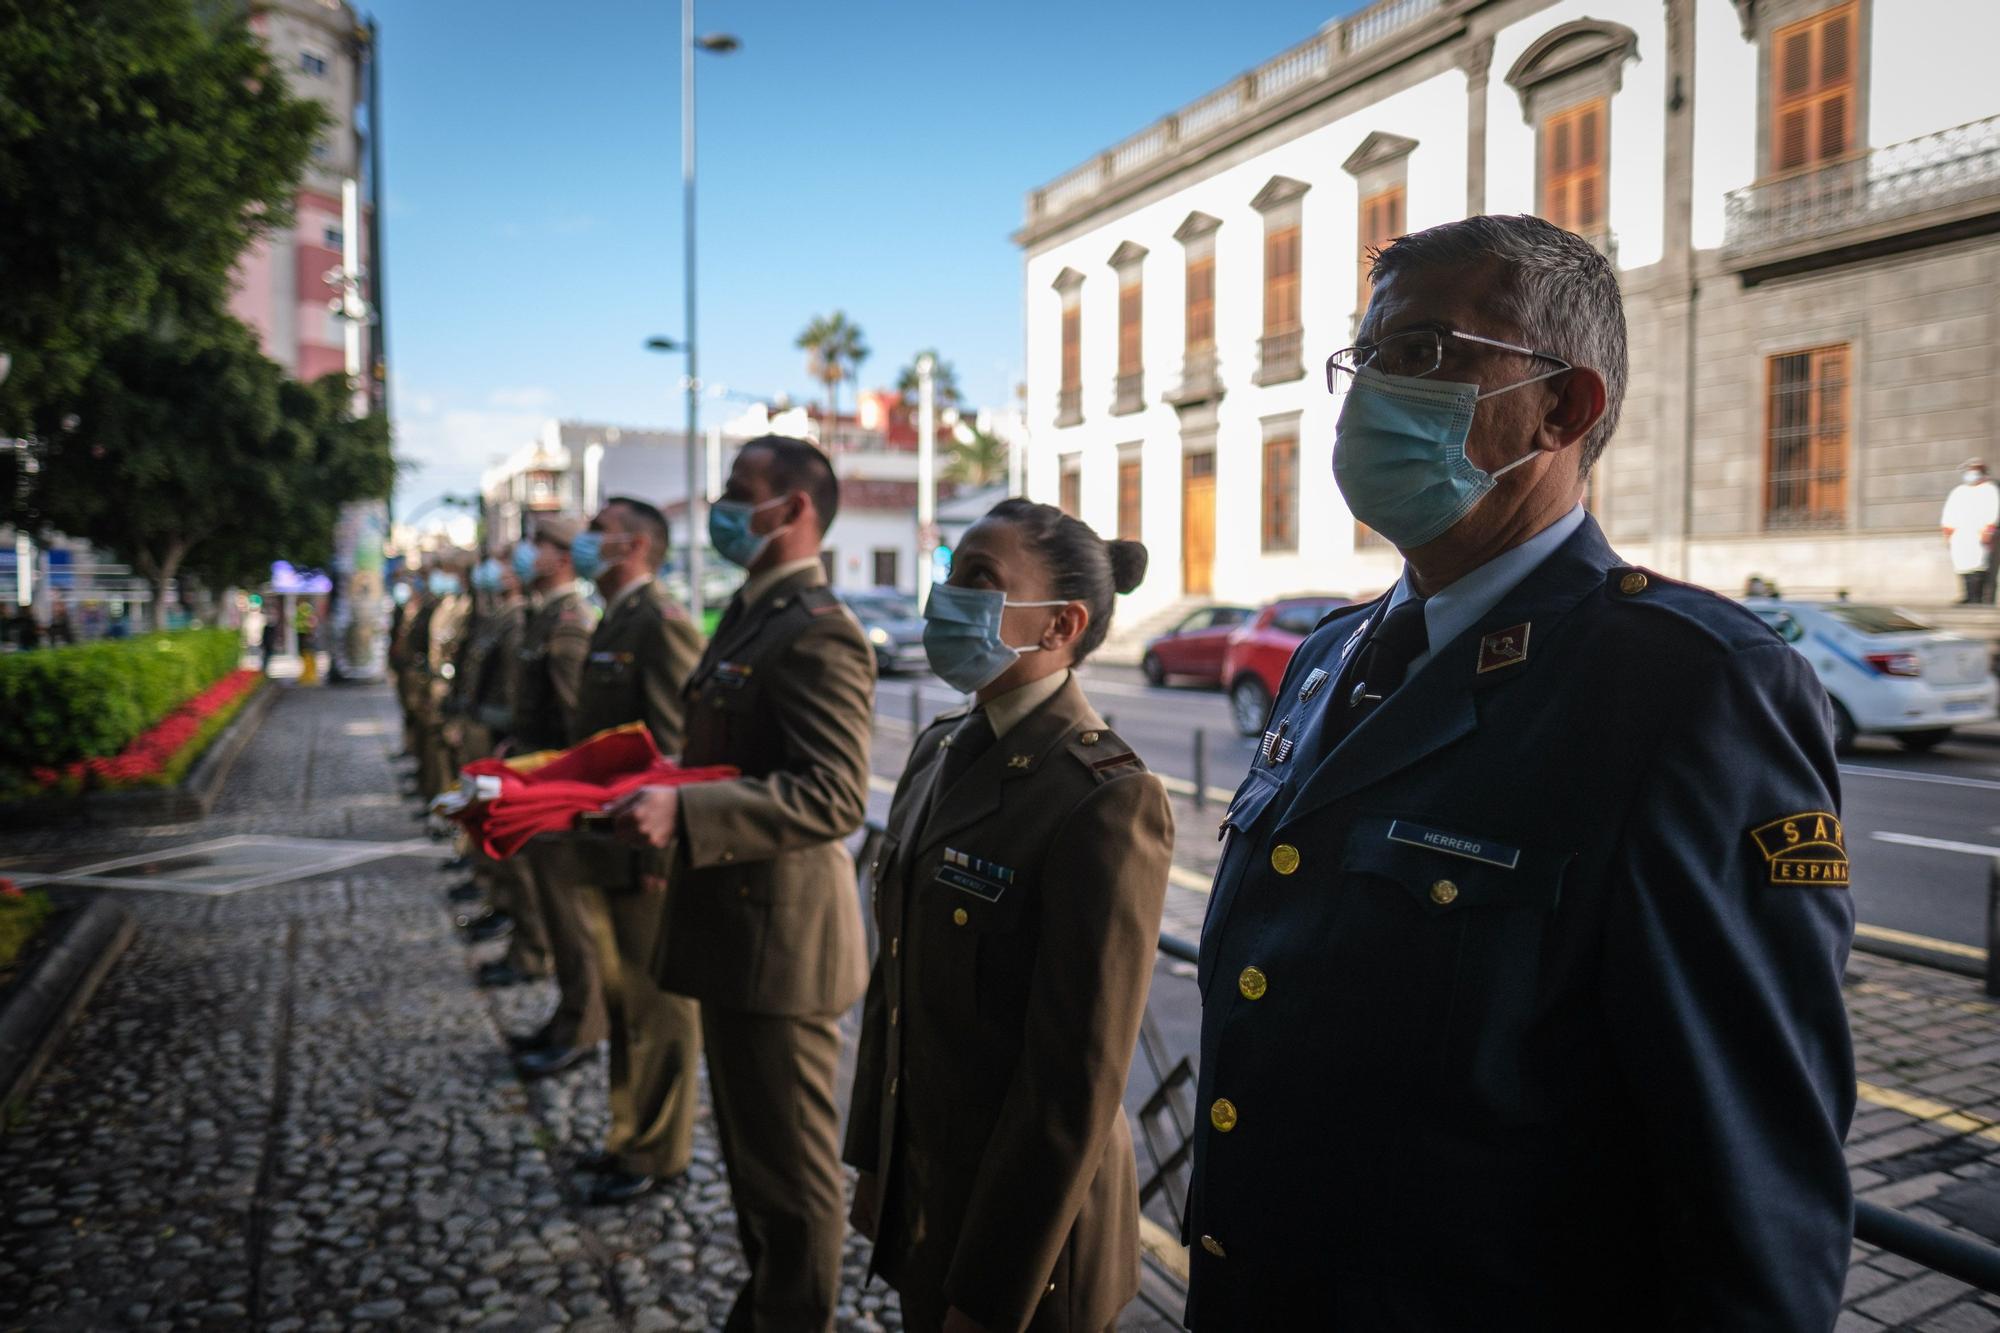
(597,1162)
(550,1060)
(457,863)
(467,892)
(504,973)
(538,1040)
(492,926)
(618,1186)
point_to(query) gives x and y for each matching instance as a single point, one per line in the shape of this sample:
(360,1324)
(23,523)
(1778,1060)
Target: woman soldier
(1017,903)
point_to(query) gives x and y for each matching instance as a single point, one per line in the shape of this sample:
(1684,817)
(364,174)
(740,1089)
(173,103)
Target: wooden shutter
(1281,280)
(1129,297)
(1281,493)
(1382,221)
(1128,499)
(1072,346)
(1573,154)
(1201,302)
(1806,439)
(1071,497)
(1812,90)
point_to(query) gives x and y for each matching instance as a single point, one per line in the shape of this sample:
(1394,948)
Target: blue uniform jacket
(1522,1010)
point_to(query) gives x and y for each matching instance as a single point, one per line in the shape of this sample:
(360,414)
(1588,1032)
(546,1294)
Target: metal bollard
(1993,927)
(1200,769)
(916,713)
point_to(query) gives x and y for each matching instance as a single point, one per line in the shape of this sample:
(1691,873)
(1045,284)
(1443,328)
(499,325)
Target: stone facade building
(1802,198)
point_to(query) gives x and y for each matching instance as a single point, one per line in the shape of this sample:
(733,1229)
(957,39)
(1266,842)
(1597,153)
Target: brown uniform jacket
(486,681)
(639,658)
(763,915)
(1019,914)
(548,670)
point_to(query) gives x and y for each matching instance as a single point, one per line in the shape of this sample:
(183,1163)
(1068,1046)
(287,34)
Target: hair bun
(1128,564)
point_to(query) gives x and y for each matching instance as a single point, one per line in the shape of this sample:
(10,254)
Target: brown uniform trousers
(639,658)
(548,681)
(1019,914)
(764,928)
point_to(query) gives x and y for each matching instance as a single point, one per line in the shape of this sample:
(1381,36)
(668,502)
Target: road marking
(1937,844)
(1937,779)
(1182,787)
(1923,1108)
(1165,1247)
(876,782)
(1918,941)
(1183,878)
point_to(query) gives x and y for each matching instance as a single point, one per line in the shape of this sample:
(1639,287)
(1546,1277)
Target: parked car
(894,628)
(1255,659)
(1886,671)
(1194,648)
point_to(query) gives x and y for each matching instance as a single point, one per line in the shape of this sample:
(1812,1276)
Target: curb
(49,997)
(190,800)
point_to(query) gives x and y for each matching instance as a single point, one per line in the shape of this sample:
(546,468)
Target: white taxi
(1886,671)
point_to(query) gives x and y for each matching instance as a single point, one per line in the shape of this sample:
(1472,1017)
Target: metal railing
(1069,405)
(1279,357)
(1201,378)
(1883,185)
(1318,58)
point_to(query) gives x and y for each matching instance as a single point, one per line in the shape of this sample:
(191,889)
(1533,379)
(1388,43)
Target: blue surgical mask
(487,576)
(587,554)
(729,530)
(523,556)
(962,635)
(401,594)
(443,584)
(1399,454)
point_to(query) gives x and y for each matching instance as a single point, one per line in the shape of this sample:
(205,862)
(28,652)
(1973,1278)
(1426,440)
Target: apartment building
(1802,198)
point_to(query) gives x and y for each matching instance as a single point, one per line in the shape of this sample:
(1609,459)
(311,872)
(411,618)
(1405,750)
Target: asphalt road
(1922,830)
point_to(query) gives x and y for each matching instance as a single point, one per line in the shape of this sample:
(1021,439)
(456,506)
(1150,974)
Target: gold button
(1212,1245)
(1088,738)
(1635,582)
(1444,893)
(1284,858)
(958,916)
(1222,1115)
(895,1012)
(1252,983)
(894,942)
(729,856)
(892,1084)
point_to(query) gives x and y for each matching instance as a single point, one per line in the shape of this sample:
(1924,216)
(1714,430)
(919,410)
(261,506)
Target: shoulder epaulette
(1102,751)
(820,600)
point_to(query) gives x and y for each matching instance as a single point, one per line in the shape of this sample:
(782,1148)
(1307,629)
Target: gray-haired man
(1521,977)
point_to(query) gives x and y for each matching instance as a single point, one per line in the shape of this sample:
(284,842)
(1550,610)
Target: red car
(1258,653)
(1195,647)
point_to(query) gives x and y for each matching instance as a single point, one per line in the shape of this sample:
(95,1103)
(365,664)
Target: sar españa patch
(1806,849)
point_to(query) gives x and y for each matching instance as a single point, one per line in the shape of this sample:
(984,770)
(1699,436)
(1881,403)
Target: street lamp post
(926,476)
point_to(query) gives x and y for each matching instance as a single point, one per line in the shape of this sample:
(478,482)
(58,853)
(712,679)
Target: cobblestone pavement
(289,1108)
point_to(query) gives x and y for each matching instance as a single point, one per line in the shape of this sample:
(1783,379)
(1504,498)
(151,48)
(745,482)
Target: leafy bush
(62,704)
(21,915)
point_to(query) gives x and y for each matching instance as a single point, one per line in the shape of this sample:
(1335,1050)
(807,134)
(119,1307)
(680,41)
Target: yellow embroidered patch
(1808,849)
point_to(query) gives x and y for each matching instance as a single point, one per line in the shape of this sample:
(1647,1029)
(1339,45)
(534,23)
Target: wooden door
(1198,525)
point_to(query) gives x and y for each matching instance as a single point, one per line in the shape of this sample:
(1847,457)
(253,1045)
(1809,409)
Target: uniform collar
(624,594)
(757,585)
(1453,610)
(1004,712)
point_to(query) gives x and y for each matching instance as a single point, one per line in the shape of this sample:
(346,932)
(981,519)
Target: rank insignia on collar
(1504,648)
(1807,849)
(1314,679)
(1020,760)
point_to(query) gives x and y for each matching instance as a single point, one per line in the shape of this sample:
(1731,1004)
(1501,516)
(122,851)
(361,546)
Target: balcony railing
(1128,393)
(1318,58)
(1280,357)
(1069,405)
(1200,379)
(1912,181)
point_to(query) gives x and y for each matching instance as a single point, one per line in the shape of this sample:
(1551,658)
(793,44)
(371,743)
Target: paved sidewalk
(289,1108)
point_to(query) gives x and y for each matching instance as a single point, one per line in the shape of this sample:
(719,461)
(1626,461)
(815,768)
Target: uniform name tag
(1453,844)
(602,657)
(976,875)
(732,675)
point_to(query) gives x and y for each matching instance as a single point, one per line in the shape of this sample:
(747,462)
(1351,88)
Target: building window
(1128,390)
(1070,497)
(885,568)
(312,64)
(1201,304)
(1130,296)
(1813,65)
(335,238)
(1281,490)
(321,150)
(1280,349)
(1199,382)
(1382,221)
(1069,395)
(1128,498)
(1573,154)
(1806,439)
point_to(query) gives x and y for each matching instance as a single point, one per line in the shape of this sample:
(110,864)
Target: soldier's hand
(866,1213)
(646,817)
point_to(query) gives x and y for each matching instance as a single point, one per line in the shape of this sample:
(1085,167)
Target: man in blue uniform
(1521,975)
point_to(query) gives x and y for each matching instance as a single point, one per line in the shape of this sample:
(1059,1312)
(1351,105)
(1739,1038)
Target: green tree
(143,146)
(835,347)
(979,458)
(944,381)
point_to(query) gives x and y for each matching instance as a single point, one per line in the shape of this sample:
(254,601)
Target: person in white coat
(1971,512)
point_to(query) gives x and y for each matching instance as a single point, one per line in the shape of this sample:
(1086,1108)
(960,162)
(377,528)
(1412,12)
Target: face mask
(962,635)
(523,556)
(487,576)
(401,594)
(729,530)
(1972,478)
(587,554)
(443,584)
(1399,454)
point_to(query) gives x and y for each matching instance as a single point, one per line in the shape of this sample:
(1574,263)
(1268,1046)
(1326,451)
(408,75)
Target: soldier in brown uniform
(409,651)
(449,623)
(640,657)
(1018,897)
(763,925)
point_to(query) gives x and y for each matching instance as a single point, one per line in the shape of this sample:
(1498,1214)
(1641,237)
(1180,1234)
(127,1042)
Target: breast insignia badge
(1807,848)
(1504,648)
(1314,679)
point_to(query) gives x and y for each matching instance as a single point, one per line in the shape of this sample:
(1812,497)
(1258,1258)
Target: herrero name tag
(1455,844)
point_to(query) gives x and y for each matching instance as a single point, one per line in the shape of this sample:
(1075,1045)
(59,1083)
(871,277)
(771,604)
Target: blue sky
(870,156)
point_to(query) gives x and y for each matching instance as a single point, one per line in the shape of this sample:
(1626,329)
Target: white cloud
(449,446)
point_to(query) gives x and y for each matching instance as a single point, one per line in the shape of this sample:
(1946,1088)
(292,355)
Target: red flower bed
(150,753)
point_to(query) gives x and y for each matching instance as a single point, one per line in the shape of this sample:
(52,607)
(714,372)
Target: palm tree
(978,458)
(944,381)
(835,347)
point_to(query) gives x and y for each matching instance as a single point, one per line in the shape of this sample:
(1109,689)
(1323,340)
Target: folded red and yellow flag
(505,802)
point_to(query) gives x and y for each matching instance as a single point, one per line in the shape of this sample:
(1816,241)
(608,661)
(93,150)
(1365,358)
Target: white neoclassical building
(1802,198)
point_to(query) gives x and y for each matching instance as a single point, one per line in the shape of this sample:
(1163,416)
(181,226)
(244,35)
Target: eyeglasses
(1415,354)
